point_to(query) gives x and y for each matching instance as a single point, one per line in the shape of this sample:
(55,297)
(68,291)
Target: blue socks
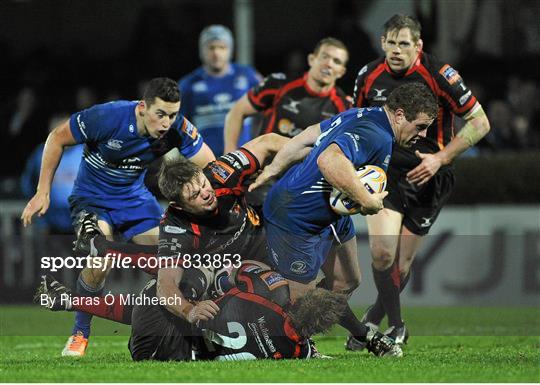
(83,320)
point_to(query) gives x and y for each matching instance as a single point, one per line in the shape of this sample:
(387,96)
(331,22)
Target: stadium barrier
(474,255)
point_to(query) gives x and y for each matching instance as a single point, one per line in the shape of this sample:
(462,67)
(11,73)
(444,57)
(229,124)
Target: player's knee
(348,286)
(383,257)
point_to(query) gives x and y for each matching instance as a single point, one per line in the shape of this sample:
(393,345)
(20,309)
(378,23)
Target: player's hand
(374,205)
(422,173)
(38,204)
(263,178)
(203,311)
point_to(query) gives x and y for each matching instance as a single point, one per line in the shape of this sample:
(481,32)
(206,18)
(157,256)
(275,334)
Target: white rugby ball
(374,180)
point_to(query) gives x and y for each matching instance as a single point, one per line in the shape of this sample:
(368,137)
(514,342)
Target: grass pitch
(447,345)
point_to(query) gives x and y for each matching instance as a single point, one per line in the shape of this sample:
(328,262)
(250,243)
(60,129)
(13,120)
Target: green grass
(447,345)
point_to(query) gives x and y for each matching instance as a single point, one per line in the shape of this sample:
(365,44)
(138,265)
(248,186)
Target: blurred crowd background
(61,56)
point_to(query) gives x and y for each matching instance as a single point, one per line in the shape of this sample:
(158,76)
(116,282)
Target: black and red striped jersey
(251,322)
(289,107)
(234,228)
(376,80)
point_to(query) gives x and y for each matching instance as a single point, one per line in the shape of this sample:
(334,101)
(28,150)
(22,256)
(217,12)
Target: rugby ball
(374,180)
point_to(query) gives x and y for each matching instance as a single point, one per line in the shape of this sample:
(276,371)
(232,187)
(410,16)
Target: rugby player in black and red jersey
(421,177)
(255,320)
(289,106)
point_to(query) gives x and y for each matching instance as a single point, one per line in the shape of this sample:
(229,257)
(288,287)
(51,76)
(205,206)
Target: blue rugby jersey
(207,99)
(298,202)
(115,156)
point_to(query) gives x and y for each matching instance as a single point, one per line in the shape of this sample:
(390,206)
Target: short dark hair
(174,175)
(316,312)
(413,98)
(164,88)
(398,22)
(330,41)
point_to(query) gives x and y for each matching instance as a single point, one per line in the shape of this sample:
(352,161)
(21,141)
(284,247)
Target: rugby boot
(75,346)
(86,230)
(399,334)
(52,295)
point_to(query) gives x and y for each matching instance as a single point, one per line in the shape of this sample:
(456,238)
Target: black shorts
(420,205)
(157,334)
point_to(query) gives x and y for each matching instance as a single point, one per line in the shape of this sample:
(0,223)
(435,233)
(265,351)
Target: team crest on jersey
(114,144)
(285,126)
(190,129)
(298,267)
(450,74)
(221,171)
(241,83)
(199,87)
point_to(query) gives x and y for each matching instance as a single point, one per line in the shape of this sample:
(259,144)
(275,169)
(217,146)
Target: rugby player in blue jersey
(303,233)
(209,92)
(121,138)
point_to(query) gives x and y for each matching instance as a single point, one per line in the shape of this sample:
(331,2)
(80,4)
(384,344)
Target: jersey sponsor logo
(169,244)
(298,267)
(362,70)
(379,95)
(221,171)
(190,129)
(114,144)
(278,75)
(242,157)
(82,126)
(355,139)
(254,330)
(292,106)
(222,98)
(386,161)
(199,87)
(266,334)
(174,230)
(131,160)
(450,74)
(241,83)
(273,280)
(464,98)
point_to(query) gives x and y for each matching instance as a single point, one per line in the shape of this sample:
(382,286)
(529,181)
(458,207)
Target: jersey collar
(315,93)
(413,68)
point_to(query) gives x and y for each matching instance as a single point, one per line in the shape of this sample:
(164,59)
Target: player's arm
(339,171)
(265,146)
(294,150)
(167,289)
(60,137)
(204,156)
(234,122)
(476,127)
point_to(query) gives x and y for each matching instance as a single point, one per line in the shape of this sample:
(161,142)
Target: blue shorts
(129,221)
(299,257)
